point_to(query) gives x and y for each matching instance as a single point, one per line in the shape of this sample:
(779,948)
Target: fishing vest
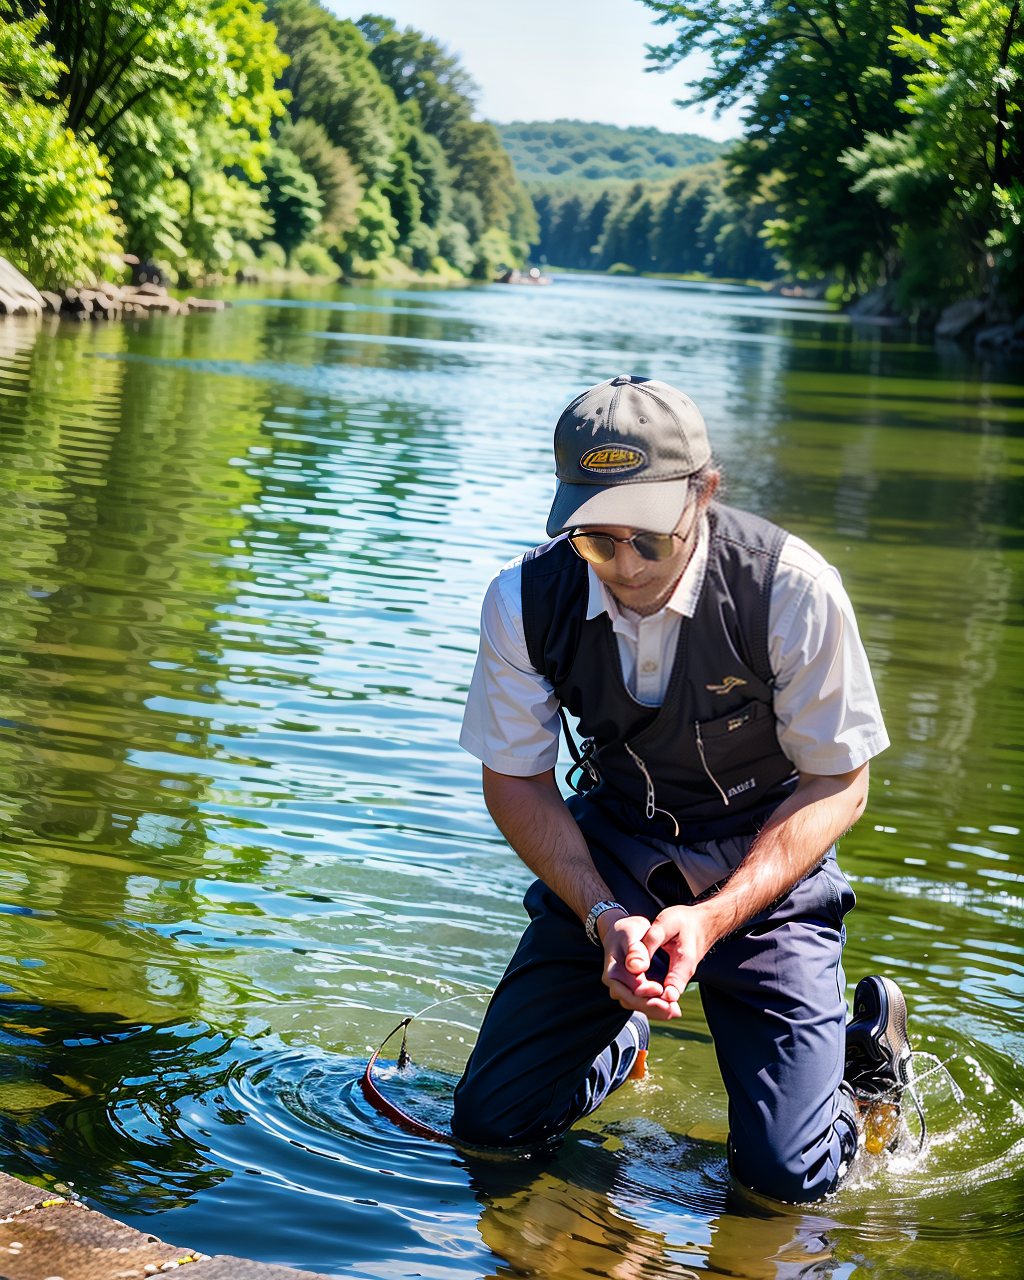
(707,762)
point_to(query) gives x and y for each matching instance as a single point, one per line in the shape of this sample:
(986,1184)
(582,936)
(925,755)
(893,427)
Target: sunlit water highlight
(242,561)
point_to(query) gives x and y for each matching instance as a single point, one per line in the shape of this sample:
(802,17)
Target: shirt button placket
(647,660)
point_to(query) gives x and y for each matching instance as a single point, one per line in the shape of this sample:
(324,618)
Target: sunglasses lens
(595,547)
(654,546)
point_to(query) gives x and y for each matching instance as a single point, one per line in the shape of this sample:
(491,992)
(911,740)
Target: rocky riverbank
(111,302)
(104,301)
(19,297)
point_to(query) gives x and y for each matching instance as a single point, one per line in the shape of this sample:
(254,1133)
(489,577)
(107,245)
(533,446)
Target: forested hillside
(211,136)
(637,199)
(568,149)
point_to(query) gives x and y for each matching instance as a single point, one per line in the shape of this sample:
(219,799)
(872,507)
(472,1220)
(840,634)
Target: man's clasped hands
(630,944)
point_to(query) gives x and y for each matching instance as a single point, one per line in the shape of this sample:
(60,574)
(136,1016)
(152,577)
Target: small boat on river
(513,276)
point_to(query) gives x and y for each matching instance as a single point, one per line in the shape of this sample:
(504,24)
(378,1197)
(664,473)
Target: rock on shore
(19,297)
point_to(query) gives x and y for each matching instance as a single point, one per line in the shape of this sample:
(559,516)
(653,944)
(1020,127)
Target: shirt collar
(682,601)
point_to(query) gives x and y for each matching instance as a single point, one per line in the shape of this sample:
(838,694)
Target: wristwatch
(598,909)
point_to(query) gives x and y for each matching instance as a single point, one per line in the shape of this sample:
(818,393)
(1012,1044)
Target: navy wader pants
(772,995)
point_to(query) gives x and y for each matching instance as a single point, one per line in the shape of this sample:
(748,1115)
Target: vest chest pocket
(740,751)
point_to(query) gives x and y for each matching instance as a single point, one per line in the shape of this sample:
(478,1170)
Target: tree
(57,222)
(337,179)
(678,238)
(420,72)
(333,81)
(627,232)
(419,69)
(822,78)
(179,95)
(292,198)
(431,170)
(955,177)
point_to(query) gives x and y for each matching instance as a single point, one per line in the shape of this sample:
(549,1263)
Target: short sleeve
(829,720)
(511,719)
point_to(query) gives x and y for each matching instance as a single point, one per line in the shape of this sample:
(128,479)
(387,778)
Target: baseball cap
(623,452)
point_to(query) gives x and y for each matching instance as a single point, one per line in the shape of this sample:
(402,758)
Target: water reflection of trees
(906,484)
(124,616)
(122,504)
(92,1100)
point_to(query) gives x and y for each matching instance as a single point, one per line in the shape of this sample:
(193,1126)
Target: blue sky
(547,59)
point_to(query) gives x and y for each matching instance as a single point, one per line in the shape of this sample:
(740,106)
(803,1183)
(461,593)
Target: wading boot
(878,1060)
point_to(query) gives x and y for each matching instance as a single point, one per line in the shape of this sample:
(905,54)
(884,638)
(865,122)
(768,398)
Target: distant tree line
(568,149)
(689,226)
(211,135)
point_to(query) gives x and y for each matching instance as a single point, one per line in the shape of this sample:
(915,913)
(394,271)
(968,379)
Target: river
(243,555)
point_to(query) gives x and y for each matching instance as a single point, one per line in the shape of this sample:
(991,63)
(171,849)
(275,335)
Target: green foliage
(333,81)
(930,205)
(403,194)
(376,231)
(191,131)
(179,95)
(27,64)
(421,248)
(419,70)
(337,179)
(688,226)
(821,79)
(424,77)
(56,216)
(961,170)
(568,149)
(292,197)
(431,171)
(314,259)
(454,245)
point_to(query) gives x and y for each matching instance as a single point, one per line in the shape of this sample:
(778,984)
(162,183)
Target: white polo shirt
(826,708)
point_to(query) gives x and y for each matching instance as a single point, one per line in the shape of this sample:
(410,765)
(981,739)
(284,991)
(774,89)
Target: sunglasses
(599,548)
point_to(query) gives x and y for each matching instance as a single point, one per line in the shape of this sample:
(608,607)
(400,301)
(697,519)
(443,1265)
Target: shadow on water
(242,561)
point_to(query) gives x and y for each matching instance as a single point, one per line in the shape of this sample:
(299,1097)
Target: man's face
(646,585)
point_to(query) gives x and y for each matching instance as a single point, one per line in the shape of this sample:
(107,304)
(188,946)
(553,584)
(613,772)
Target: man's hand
(630,943)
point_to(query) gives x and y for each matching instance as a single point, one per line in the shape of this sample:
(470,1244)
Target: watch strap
(598,909)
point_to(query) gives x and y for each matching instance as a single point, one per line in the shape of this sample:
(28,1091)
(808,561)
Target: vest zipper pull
(704,762)
(651,808)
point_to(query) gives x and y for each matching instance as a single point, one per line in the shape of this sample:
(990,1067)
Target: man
(714,666)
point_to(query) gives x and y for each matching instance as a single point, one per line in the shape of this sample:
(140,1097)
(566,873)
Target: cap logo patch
(613,459)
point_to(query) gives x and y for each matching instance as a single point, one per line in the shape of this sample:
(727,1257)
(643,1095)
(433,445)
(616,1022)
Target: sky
(555,59)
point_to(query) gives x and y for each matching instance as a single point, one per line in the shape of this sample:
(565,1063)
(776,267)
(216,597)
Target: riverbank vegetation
(217,136)
(888,136)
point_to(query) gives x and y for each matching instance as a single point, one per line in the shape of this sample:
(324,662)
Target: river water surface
(242,561)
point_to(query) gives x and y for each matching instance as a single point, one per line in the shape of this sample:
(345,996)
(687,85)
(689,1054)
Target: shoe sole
(896,1029)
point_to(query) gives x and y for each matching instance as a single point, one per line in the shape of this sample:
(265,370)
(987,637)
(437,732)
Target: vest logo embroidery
(613,459)
(741,787)
(727,685)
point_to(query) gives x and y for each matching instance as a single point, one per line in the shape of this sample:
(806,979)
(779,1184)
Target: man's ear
(710,487)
